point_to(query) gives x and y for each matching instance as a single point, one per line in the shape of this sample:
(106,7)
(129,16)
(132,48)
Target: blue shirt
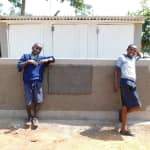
(127,66)
(32,72)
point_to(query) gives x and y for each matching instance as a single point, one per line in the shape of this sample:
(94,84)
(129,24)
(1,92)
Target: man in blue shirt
(33,66)
(130,99)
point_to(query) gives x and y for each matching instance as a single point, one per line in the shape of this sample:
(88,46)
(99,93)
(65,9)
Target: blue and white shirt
(127,66)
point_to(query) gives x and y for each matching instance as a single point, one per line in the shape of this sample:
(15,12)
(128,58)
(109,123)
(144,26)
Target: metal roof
(96,19)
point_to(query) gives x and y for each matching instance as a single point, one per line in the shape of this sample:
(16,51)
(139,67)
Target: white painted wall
(71,41)
(114,39)
(92,42)
(22,37)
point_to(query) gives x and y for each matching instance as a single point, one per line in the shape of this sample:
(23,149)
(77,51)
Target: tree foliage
(146,35)
(80,7)
(144,11)
(16,3)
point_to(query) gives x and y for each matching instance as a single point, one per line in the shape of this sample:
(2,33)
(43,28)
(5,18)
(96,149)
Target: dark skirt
(129,95)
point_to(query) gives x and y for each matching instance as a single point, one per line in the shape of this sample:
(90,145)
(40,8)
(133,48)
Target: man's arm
(139,54)
(23,62)
(48,60)
(117,73)
(30,61)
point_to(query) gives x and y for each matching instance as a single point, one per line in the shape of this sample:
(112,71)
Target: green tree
(146,35)
(144,11)
(16,4)
(79,5)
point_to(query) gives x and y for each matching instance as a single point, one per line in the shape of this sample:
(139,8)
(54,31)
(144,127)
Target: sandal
(28,121)
(126,133)
(35,121)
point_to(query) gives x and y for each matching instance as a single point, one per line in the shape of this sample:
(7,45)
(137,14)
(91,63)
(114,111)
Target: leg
(133,109)
(28,121)
(28,102)
(38,97)
(124,130)
(36,108)
(29,109)
(124,112)
(129,99)
(124,118)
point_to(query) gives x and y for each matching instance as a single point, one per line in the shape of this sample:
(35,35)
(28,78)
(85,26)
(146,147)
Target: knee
(124,109)
(134,109)
(28,106)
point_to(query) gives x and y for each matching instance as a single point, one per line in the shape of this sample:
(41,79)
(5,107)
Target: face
(131,52)
(36,50)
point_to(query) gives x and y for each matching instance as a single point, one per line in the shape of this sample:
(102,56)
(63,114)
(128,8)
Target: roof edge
(138,19)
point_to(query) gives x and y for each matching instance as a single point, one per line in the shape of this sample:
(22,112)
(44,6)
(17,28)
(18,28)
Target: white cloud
(113,7)
(42,7)
(6,6)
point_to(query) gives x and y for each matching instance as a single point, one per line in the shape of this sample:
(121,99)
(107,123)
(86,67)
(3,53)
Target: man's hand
(139,53)
(31,61)
(116,87)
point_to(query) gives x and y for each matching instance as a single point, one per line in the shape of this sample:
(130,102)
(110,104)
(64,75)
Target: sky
(100,7)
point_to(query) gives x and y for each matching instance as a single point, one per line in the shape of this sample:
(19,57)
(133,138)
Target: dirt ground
(72,135)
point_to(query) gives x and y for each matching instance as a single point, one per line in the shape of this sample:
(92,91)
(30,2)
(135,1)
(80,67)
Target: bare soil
(72,135)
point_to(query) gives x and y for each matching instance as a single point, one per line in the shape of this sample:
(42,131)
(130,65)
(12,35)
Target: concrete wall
(98,97)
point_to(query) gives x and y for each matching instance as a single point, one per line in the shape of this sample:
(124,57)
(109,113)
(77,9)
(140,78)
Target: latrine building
(69,37)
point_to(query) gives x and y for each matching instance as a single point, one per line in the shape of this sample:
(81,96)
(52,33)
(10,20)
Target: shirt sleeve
(119,62)
(51,60)
(20,63)
(137,57)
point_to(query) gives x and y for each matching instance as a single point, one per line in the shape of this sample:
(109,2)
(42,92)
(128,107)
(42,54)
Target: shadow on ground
(102,134)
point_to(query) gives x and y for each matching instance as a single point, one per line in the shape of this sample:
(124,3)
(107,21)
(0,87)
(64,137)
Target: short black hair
(38,45)
(132,46)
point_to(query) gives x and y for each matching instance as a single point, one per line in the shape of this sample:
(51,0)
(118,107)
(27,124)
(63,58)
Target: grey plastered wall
(137,34)
(4,39)
(98,96)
